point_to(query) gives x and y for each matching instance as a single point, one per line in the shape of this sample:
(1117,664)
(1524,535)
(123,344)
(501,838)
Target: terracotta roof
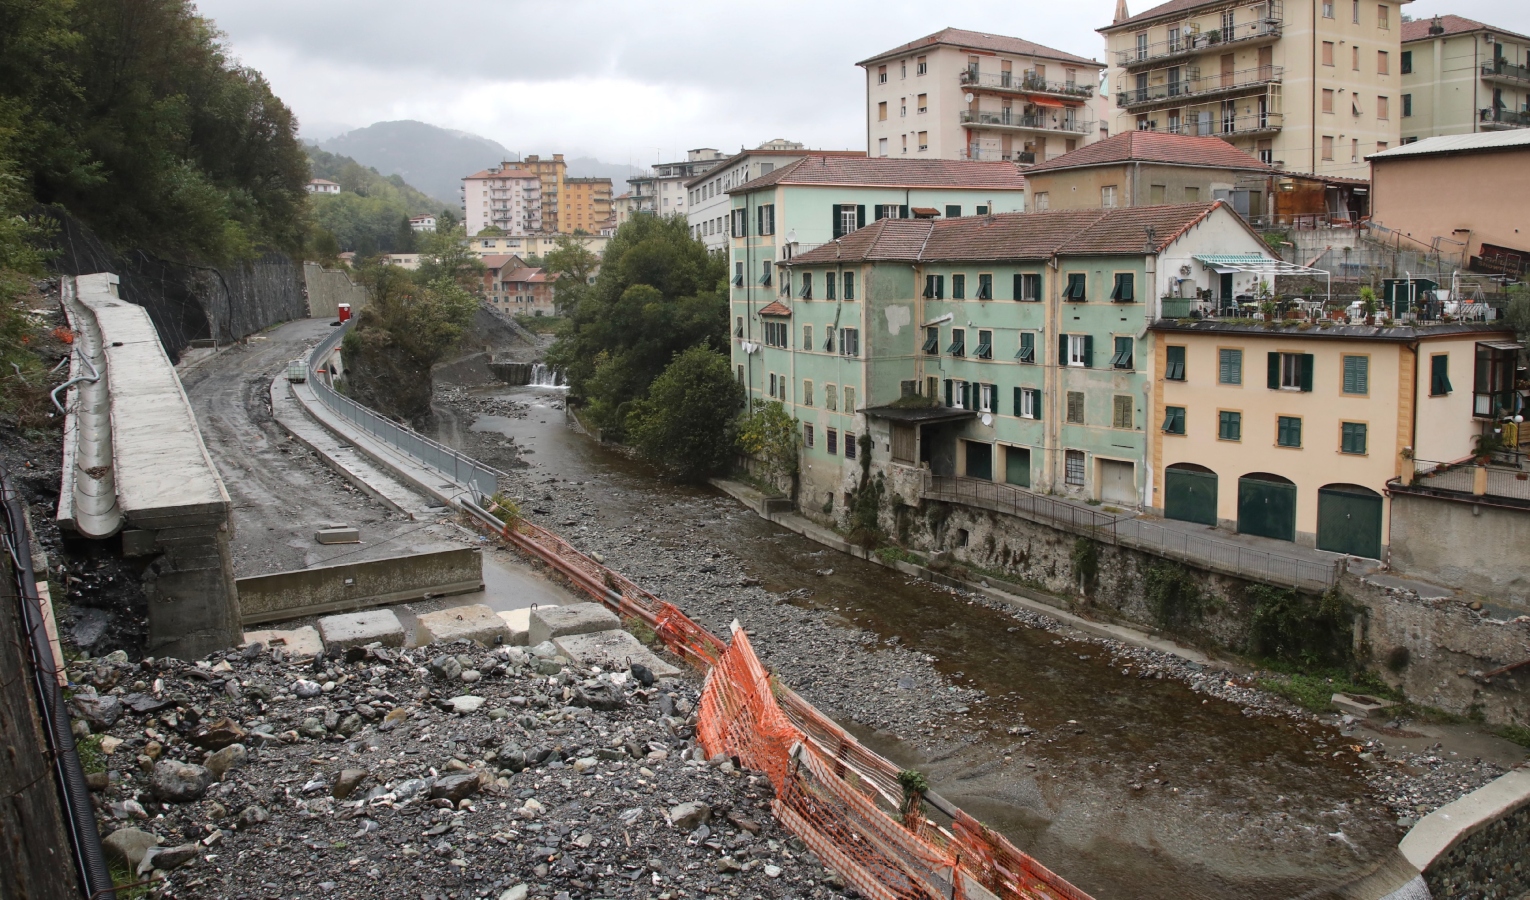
(504,173)
(320,181)
(499,260)
(925,211)
(977,40)
(1151,146)
(1418,29)
(715,170)
(886,172)
(1073,232)
(776,308)
(1173,7)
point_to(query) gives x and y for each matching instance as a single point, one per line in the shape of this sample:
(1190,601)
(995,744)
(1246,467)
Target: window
(1383,108)
(740,223)
(772,384)
(849,401)
(1405,63)
(847,218)
(1108,197)
(1192,195)
(985,398)
(776,334)
(1328,46)
(849,442)
(1142,45)
(1227,22)
(807,340)
(1073,467)
(932,340)
(1158,193)
(958,342)
(953,211)
(830,286)
(1043,201)
(881,74)
(958,287)
(1027,287)
(1383,62)
(924,140)
(738,328)
(1027,403)
(1173,420)
(1382,145)
(767,219)
(1075,288)
(882,147)
(1328,94)
(828,339)
(807,286)
(921,66)
(1357,371)
(765,267)
(738,274)
(1355,4)
(882,111)
(1078,350)
(981,210)
(831,397)
(922,104)
(1075,415)
(849,342)
(1288,431)
(1027,351)
(890,211)
(1354,150)
(1327,148)
(831,442)
(1328,9)
(1174,363)
(1123,290)
(985,345)
(807,436)
(1122,358)
(1290,372)
(1121,412)
(807,392)
(1407,104)
(956,394)
(985,287)
(1439,375)
(1229,366)
(934,287)
(1352,437)
(1383,16)
(740,374)
(1229,425)
(849,279)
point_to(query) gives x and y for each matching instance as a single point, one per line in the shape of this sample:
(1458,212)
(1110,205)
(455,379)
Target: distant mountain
(432,159)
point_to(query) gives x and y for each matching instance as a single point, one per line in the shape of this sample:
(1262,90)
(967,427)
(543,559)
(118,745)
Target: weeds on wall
(1308,631)
(1085,558)
(1175,600)
(866,501)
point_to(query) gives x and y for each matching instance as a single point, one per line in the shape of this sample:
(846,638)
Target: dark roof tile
(885,172)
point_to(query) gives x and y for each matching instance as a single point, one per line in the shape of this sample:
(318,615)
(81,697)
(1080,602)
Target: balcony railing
(1188,89)
(993,154)
(1218,125)
(1506,118)
(1042,122)
(1187,45)
(1027,82)
(1503,69)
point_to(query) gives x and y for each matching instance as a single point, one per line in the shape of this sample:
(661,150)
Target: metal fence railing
(461,470)
(1502,477)
(1230,557)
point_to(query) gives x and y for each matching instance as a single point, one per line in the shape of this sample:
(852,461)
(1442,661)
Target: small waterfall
(542,376)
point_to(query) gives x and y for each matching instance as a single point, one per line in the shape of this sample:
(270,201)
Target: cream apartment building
(967,95)
(552,173)
(707,203)
(1460,76)
(1305,85)
(663,191)
(504,197)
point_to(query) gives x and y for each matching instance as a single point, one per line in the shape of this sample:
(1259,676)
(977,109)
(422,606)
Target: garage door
(1117,482)
(1017,466)
(979,460)
(1267,508)
(1349,520)
(1190,496)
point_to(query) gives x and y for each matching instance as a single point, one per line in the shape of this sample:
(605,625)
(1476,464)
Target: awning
(1502,345)
(1046,101)
(776,308)
(1254,263)
(919,415)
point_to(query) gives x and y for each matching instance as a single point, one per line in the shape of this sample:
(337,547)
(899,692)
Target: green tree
(770,434)
(1517,311)
(444,256)
(685,424)
(575,264)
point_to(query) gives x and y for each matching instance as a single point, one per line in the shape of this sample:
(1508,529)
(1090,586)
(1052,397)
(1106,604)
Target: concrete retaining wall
(359,585)
(1478,846)
(328,288)
(1470,546)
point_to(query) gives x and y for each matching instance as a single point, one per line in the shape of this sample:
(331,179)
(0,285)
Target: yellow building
(553,172)
(586,206)
(538,245)
(1306,86)
(1460,76)
(1292,432)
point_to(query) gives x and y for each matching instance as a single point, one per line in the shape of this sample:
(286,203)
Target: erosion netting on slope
(845,802)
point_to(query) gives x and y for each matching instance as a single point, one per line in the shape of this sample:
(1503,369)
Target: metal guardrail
(1027,82)
(1500,478)
(463,470)
(1193,43)
(1188,90)
(1222,556)
(1007,119)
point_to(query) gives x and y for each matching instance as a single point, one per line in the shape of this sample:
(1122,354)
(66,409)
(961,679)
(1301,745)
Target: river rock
(456,787)
(686,816)
(176,782)
(101,710)
(347,782)
(128,845)
(229,757)
(167,859)
(467,704)
(219,734)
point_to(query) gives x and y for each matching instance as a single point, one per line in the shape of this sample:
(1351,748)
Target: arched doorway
(1190,494)
(1267,506)
(1349,520)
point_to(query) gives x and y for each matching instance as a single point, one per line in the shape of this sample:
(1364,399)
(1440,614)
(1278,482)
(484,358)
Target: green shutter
(838,231)
(948,392)
(1439,375)
(1274,371)
(1307,372)
(1088,351)
(1036,403)
(1128,290)
(860,216)
(903,212)
(953,211)
(940,287)
(1017,400)
(1175,367)
(1356,375)
(878,215)
(1062,349)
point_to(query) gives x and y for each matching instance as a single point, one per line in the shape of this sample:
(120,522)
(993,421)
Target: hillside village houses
(425,222)
(707,198)
(322,186)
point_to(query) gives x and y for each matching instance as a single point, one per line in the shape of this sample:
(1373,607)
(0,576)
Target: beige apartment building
(553,172)
(586,206)
(1461,77)
(1306,85)
(967,95)
(505,197)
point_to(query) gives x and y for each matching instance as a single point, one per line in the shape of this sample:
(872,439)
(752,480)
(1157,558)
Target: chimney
(1121,14)
(1435,27)
(1152,240)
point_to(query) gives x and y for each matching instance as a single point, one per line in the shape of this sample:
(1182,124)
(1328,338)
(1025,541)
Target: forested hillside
(371,213)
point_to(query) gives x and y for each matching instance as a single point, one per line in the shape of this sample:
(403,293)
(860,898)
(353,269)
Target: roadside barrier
(862,817)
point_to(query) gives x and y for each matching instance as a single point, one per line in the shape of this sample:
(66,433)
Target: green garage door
(1267,508)
(1017,466)
(1190,496)
(979,460)
(1349,520)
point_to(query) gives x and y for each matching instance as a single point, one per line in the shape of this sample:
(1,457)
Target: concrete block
(1360,706)
(611,650)
(476,623)
(361,628)
(137,542)
(303,641)
(519,623)
(338,535)
(549,622)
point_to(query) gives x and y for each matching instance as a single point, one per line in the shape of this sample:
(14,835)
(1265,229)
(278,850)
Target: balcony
(1004,119)
(1187,45)
(988,154)
(1499,119)
(1026,83)
(1217,125)
(1199,88)
(1505,72)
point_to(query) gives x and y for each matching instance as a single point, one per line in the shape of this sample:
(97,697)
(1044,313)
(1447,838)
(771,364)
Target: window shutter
(972,394)
(1018,399)
(1062,349)
(1307,372)
(1088,351)
(1273,372)
(903,212)
(860,216)
(1019,286)
(948,392)
(1036,403)
(878,213)
(838,230)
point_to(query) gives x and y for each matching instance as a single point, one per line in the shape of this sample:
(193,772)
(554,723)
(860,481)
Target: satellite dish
(968,98)
(1184,270)
(791,236)
(987,419)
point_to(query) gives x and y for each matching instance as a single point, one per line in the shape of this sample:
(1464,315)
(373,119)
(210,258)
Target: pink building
(503,197)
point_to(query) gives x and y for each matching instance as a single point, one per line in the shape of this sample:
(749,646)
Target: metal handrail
(1039,122)
(1504,68)
(1191,44)
(1219,125)
(1203,86)
(1027,83)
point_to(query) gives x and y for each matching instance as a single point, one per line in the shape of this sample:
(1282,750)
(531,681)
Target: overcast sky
(632,80)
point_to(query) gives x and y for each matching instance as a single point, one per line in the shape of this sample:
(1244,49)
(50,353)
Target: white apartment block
(504,197)
(1460,76)
(663,190)
(966,95)
(706,196)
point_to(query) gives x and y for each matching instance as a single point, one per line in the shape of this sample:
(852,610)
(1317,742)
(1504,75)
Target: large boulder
(175,782)
(128,846)
(455,787)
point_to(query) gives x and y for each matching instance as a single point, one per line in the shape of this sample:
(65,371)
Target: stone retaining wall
(359,585)
(1479,846)
(328,288)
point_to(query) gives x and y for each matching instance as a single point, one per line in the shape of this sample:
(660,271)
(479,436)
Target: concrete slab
(475,623)
(303,641)
(1361,706)
(519,623)
(612,651)
(361,628)
(576,618)
(338,535)
(1451,823)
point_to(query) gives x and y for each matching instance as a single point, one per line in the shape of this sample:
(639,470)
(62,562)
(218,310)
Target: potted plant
(1267,308)
(1488,443)
(1368,304)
